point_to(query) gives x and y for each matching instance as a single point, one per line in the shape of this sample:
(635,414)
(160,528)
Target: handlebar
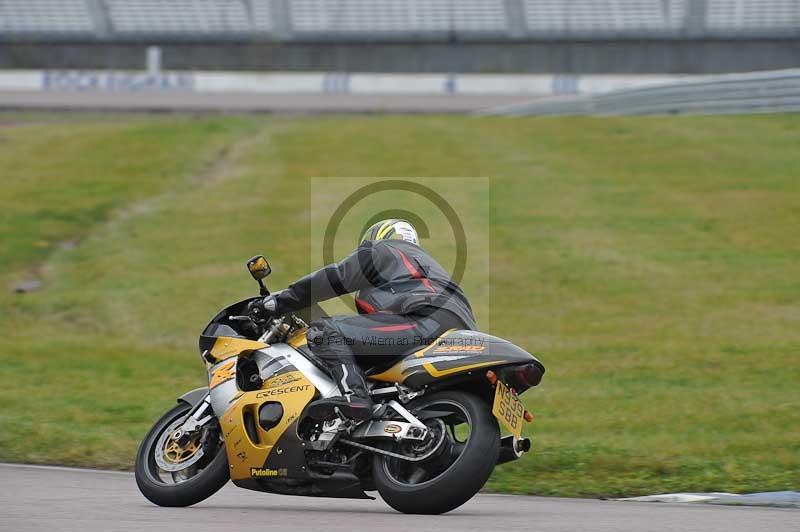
(267,327)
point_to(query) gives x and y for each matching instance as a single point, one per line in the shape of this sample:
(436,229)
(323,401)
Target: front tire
(444,482)
(187,487)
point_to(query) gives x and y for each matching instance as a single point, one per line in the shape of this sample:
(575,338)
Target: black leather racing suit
(404,297)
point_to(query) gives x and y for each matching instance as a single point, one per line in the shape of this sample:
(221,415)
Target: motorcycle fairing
(248,445)
(217,348)
(274,460)
(454,353)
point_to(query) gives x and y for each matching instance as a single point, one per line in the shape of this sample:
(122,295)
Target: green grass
(652,263)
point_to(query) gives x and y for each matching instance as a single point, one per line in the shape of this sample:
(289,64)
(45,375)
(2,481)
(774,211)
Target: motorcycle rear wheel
(181,488)
(457,471)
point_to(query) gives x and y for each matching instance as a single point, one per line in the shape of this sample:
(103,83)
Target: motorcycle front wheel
(460,455)
(174,472)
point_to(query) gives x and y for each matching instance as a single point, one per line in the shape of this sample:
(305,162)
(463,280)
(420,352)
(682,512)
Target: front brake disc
(171,456)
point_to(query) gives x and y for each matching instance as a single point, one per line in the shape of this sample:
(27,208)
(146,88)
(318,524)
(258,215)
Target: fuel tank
(456,352)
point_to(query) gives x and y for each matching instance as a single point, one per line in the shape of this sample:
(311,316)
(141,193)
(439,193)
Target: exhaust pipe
(512,449)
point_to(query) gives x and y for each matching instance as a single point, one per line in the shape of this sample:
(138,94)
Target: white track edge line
(65,468)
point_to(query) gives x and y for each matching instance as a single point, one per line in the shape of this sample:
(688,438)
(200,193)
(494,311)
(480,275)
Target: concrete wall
(585,57)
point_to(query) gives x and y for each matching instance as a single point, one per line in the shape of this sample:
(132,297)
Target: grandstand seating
(52,16)
(263,18)
(376,19)
(751,15)
(611,16)
(178,16)
(408,16)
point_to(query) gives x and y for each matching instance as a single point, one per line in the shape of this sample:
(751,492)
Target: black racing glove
(270,305)
(261,310)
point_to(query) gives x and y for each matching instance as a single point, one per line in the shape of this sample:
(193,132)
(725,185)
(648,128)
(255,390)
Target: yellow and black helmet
(392,229)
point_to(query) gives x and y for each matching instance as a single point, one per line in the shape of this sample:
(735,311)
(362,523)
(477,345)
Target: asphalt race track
(252,102)
(59,499)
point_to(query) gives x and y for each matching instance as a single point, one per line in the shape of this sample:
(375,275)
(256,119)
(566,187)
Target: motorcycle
(432,445)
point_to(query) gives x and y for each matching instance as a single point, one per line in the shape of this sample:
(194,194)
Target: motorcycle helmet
(392,229)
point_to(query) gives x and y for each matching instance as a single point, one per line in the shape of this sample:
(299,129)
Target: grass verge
(653,263)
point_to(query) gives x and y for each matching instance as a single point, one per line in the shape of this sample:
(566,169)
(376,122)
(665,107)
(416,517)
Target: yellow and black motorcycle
(432,448)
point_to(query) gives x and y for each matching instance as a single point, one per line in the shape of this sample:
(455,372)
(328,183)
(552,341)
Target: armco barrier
(757,92)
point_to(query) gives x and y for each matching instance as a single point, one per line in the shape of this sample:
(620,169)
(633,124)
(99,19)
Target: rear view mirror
(259,267)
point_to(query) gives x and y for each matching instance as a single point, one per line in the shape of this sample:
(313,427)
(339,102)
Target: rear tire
(462,479)
(199,487)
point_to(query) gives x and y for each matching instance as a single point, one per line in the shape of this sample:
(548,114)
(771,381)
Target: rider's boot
(354,403)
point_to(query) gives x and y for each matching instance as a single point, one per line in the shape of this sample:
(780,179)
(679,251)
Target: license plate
(508,409)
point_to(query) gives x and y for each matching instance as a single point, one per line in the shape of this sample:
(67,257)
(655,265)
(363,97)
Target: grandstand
(738,16)
(176,17)
(367,17)
(609,17)
(533,36)
(45,17)
(377,20)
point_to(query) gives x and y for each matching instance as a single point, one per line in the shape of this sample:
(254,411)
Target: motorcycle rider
(404,299)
